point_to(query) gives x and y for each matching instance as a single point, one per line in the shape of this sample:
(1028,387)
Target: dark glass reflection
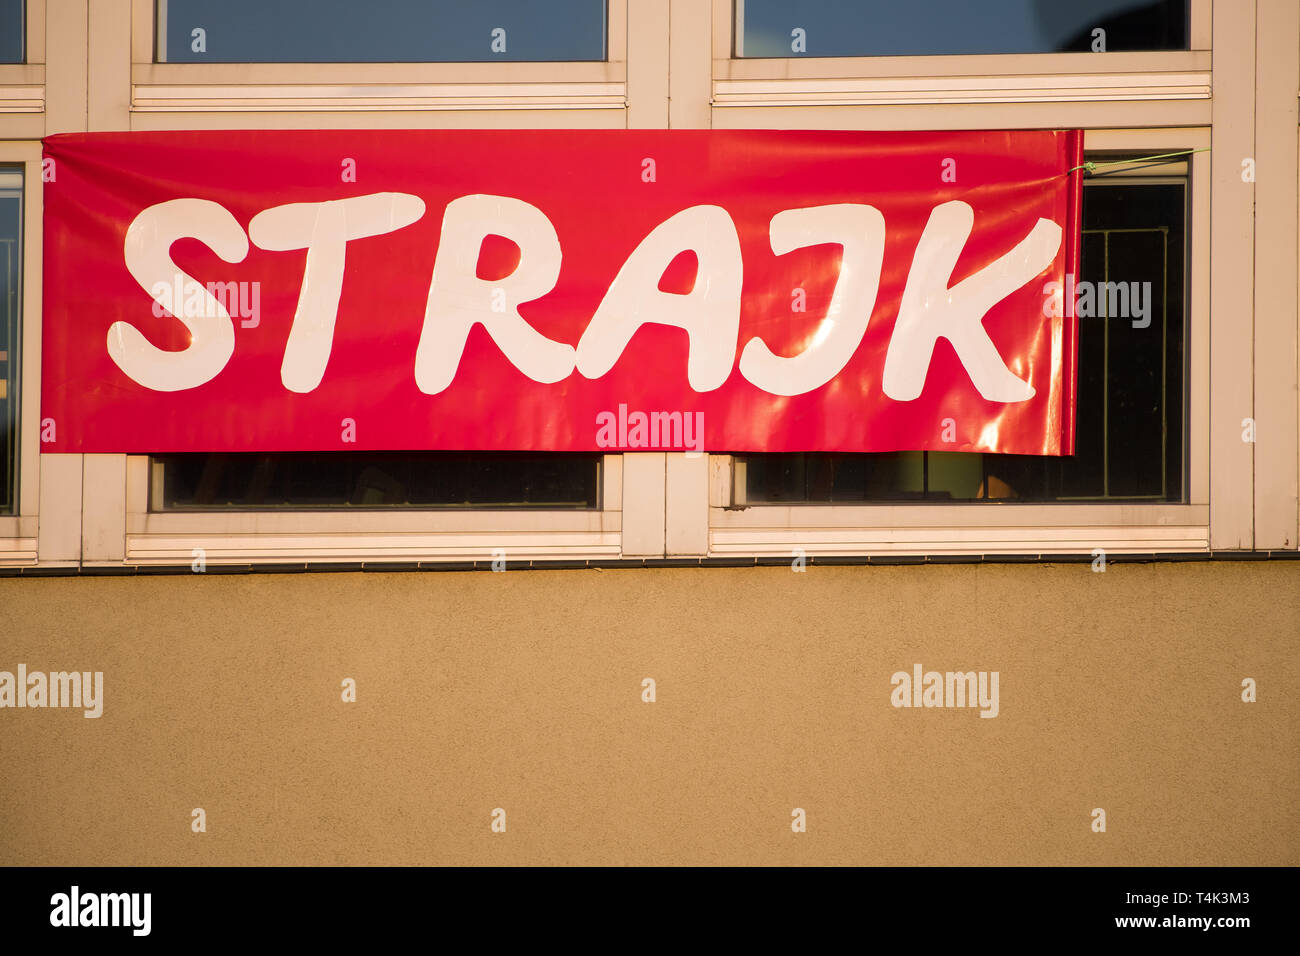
(11,250)
(785,28)
(12,31)
(375,480)
(379,31)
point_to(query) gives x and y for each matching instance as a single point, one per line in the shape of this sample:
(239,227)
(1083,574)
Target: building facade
(1138,601)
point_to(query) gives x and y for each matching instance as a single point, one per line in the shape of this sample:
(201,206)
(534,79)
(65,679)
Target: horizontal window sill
(224,548)
(22,74)
(1148,64)
(887,516)
(432,534)
(631,564)
(17,551)
(1044,88)
(22,99)
(958,529)
(373,522)
(17,539)
(462,96)
(363,74)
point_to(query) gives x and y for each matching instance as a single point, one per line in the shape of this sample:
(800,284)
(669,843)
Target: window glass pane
(1130,420)
(11,257)
(379,31)
(378,480)
(782,28)
(12,31)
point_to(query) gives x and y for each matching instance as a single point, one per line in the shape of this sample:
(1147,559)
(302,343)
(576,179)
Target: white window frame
(1156,102)
(365,95)
(1013,527)
(295,95)
(96,505)
(1099,88)
(277,536)
(22,124)
(22,85)
(18,531)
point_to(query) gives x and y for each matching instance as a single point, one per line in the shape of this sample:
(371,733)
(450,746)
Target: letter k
(930,309)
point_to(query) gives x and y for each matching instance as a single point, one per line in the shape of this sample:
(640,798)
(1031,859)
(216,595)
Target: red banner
(559,290)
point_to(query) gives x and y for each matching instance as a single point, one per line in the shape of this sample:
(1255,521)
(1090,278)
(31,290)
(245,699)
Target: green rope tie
(1090,168)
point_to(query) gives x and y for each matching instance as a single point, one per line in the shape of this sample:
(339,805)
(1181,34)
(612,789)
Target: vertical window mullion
(11,283)
(1105,368)
(1164,363)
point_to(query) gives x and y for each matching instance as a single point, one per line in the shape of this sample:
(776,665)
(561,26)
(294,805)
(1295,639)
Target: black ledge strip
(765,561)
(733,562)
(1137,558)
(335,566)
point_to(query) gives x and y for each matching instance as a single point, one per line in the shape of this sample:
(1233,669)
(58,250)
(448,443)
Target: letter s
(147,251)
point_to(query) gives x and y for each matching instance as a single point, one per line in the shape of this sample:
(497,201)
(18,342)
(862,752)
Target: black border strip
(604,564)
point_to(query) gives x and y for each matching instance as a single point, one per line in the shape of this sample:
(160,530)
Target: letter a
(59,915)
(710,313)
(902,694)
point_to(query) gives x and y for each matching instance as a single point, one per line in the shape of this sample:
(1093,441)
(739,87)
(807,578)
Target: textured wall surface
(522,690)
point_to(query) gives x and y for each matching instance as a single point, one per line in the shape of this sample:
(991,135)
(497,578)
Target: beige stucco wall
(522,690)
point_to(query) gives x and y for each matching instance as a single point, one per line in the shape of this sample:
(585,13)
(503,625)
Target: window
(374,480)
(13,31)
(1130,422)
(379,31)
(11,272)
(784,28)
